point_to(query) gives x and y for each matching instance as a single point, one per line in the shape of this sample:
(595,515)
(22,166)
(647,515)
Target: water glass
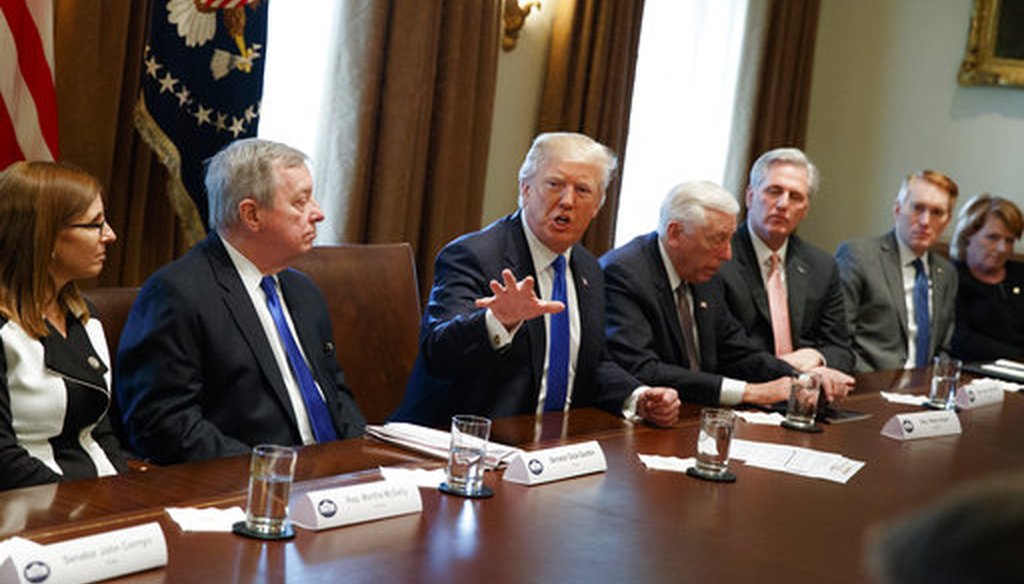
(945,376)
(803,400)
(465,471)
(716,427)
(271,470)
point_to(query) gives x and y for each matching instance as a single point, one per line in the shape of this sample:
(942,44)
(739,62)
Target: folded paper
(921,425)
(88,559)
(553,464)
(340,506)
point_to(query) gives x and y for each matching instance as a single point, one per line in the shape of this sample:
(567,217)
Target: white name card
(979,393)
(553,464)
(88,559)
(922,425)
(340,506)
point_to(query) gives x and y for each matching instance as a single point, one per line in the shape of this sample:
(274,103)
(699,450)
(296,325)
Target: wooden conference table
(626,525)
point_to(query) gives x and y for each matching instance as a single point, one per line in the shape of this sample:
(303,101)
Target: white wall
(885,101)
(519,86)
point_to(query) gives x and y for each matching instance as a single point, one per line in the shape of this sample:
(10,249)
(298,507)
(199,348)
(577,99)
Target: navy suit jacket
(645,337)
(458,372)
(195,375)
(817,317)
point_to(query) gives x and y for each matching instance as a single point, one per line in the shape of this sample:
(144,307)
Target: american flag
(28,98)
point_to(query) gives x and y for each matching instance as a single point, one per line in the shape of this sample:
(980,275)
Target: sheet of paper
(206,519)
(904,398)
(669,463)
(796,460)
(1006,385)
(764,418)
(427,479)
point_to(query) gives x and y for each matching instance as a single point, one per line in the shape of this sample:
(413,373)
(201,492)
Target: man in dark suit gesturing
(784,291)
(226,347)
(497,346)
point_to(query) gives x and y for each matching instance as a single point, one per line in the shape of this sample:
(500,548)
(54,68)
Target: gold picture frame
(995,44)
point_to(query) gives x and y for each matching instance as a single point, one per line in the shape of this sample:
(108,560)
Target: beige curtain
(589,85)
(784,90)
(411,104)
(98,55)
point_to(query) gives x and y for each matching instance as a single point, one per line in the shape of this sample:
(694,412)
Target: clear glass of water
(803,400)
(945,377)
(714,440)
(271,470)
(465,471)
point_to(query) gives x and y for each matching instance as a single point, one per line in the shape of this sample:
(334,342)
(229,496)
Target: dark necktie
(319,417)
(921,314)
(686,324)
(558,352)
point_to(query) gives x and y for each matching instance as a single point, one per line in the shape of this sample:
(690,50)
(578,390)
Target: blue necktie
(921,314)
(558,352)
(319,417)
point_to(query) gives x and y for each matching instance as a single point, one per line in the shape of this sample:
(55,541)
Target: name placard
(88,559)
(340,506)
(979,393)
(553,464)
(922,425)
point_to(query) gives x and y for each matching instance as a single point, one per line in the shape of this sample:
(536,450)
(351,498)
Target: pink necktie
(779,309)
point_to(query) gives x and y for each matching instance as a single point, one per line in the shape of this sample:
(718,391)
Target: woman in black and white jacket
(55,364)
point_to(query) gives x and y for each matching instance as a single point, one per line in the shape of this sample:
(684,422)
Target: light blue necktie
(558,352)
(319,417)
(921,314)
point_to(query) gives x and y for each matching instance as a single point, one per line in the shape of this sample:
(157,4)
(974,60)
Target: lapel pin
(586,282)
(1016,289)
(703,305)
(93,362)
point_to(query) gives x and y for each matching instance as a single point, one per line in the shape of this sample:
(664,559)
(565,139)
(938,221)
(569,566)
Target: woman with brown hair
(990,299)
(55,363)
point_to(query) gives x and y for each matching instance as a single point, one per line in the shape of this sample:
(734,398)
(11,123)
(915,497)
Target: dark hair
(36,200)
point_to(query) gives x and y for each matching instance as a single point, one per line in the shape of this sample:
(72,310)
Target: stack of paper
(904,398)
(1007,369)
(796,460)
(434,442)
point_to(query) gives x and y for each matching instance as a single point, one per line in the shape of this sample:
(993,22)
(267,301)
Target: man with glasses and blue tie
(496,345)
(900,296)
(227,347)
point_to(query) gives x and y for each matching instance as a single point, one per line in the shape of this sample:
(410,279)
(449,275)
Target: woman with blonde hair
(55,363)
(990,299)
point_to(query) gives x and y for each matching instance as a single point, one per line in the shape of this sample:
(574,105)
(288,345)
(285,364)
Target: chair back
(374,303)
(112,307)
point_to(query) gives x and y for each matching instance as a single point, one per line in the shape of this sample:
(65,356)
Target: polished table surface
(627,524)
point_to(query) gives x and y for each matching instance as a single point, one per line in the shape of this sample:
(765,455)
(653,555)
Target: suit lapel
(939,275)
(666,296)
(797,273)
(889,257)
(746,257)
(236,299)
(519,260)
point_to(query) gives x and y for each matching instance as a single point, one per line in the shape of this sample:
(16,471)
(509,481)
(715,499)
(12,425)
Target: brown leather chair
(373,299)
(112,306)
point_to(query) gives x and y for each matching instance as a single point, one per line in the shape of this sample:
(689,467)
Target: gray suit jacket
(816,314)
(875,303)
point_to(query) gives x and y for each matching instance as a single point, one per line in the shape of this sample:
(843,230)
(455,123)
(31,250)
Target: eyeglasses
(98,226)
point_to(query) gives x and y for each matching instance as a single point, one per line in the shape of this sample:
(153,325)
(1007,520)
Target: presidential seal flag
(201,88)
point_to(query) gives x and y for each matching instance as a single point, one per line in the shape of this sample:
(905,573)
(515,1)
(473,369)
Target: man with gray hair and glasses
(784,291)
(227,347)
(667,320)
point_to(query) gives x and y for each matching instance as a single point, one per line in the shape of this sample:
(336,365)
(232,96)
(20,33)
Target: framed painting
(995,44)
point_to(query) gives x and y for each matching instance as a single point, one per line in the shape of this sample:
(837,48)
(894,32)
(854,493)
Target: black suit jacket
(817,317)
(458,372)
(195,375)
(645,337)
